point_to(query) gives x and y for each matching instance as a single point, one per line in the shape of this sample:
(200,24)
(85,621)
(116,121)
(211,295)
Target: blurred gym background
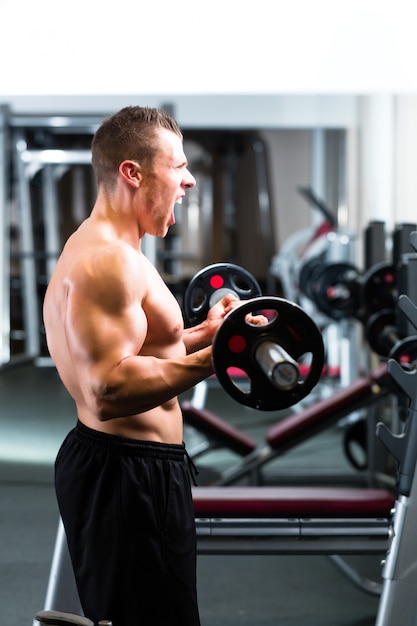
(300,126)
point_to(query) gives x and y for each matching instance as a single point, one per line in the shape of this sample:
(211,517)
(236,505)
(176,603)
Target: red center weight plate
(211,284)
(236,343)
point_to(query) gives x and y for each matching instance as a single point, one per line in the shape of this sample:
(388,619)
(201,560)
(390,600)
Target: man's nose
(189,180)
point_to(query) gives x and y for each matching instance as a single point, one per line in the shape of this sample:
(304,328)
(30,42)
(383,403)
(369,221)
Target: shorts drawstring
(191,466)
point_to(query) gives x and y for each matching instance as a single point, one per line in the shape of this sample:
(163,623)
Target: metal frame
(398,604)
(4,237)
(296,535)
(27,163)
(53,164)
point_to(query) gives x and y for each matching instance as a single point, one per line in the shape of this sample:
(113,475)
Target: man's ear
(130,171)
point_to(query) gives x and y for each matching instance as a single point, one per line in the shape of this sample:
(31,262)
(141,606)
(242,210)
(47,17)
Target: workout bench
(291,430)
(290,520)
(218,433)
(267,521)
(302,520)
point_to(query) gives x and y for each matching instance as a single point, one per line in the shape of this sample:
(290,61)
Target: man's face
(166,182)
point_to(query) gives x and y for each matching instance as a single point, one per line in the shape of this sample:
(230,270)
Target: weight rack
(398,604)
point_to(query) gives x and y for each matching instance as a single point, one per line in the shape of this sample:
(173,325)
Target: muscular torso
(154,327)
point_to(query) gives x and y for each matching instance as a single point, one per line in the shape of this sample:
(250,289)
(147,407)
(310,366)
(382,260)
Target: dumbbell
(340,291)
(333,287)
(211,284)
(379,289)
(271,357)
(381,332)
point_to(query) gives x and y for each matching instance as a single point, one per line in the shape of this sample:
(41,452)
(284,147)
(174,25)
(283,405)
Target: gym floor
(36,413)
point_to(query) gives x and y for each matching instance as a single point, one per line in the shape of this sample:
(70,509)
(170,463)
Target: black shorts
(127,510)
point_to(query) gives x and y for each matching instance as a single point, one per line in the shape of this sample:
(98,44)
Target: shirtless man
(116,336)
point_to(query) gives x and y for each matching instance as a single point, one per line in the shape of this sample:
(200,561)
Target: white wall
(221,47)
(270,65)
(388,158)
(289,168)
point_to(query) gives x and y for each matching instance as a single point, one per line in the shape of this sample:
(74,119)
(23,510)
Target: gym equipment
(333,287)
(295,520)
(211,284)
(228,530)
(404,351)
(374,243)
(60,618)
(308,194)
(305,244)
(270,521)
(217,432)
(291,520)
(401,241)
(407,284)
(355,443)
(381,283)
(269,355)
(379,288)
(398,600)
(381,332)
(340,291)
(295,428)
(307,275)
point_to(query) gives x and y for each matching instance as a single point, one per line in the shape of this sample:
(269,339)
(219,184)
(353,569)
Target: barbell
(267,367)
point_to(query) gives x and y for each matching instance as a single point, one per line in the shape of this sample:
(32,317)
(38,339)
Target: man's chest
(163,314)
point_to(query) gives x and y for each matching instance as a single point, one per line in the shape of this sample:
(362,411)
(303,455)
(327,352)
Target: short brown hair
(128,134)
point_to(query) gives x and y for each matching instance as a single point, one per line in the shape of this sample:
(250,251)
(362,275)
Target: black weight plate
(335,290)
(378,288)
(355,444)
(211,284)
(405,352)
(308,271)
(235,345)
(381,331)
